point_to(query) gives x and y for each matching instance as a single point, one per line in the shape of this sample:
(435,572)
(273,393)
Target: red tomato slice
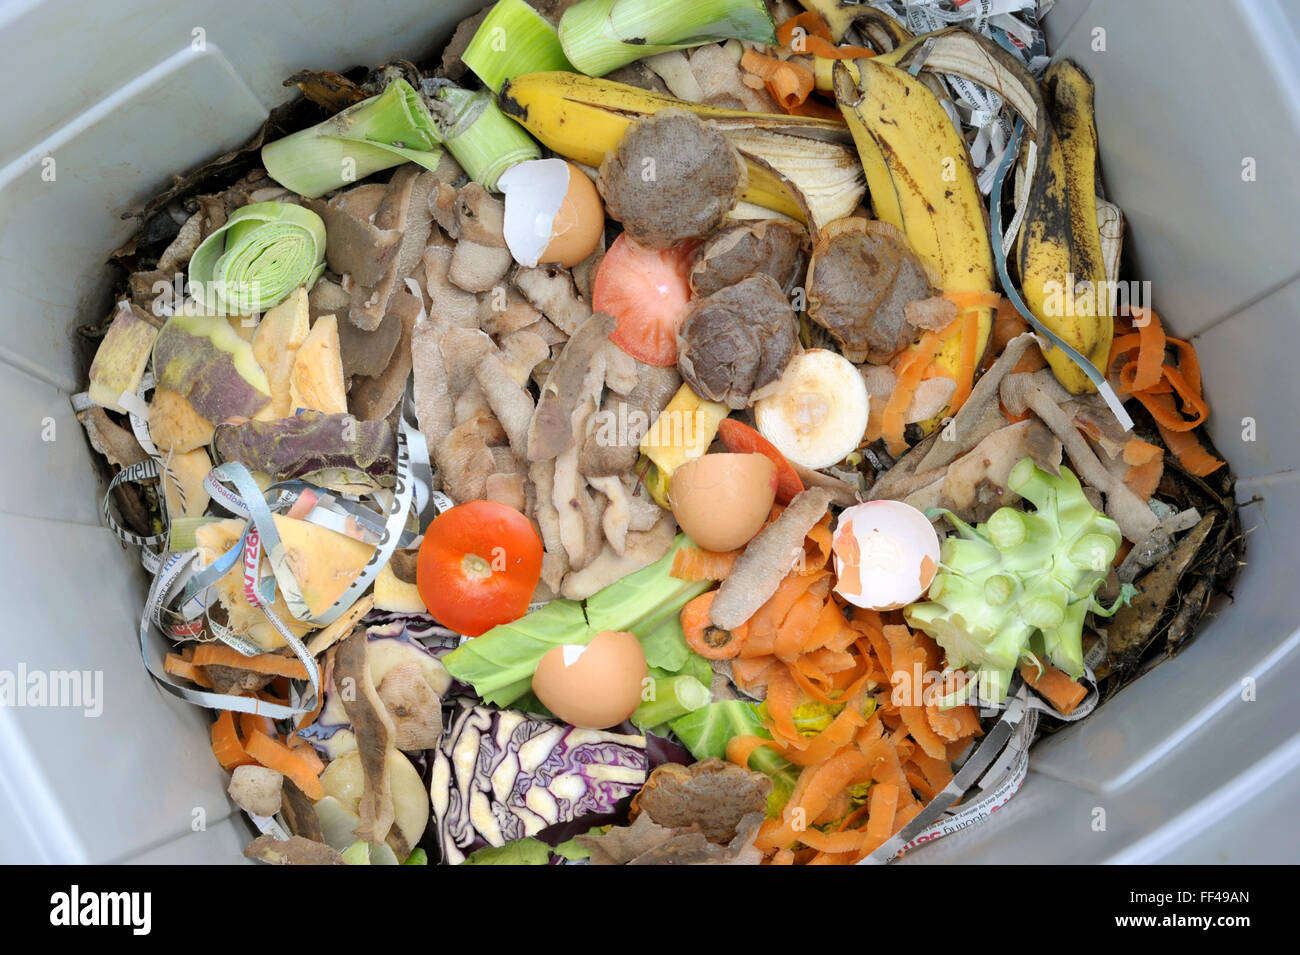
(740,438)
(649,292)
(479,564)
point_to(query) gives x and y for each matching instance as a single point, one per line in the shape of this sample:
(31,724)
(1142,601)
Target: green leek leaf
(378,133)
(485,141)
(601,35)
(512,40)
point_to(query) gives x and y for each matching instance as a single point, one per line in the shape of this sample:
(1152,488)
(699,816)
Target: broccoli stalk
(1016,575)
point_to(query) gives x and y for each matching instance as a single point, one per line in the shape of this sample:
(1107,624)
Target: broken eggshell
(553,213)
(723,500)
(886,554)
(593,686)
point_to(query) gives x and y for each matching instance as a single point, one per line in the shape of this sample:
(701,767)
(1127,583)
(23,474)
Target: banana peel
(1060,245)
(802,167)
(1062,264)
(920,179)
(974,57)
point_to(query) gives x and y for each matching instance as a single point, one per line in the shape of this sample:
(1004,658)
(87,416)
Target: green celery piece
(674,697)
(417,857)
(527,851)
(641,602)
(665,646)
(707,731)
(500,663)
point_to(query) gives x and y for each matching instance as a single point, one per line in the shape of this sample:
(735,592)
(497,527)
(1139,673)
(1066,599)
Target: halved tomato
(649,292)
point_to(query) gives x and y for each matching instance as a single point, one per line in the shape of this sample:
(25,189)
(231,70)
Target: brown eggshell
(723,500)
(577,226)
(600,688)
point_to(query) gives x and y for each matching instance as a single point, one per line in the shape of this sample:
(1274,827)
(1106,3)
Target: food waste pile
(654,432)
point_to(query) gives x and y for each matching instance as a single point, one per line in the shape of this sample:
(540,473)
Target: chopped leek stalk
(378,133)
(601,35)
(514,39)
(484,140)
(262,253)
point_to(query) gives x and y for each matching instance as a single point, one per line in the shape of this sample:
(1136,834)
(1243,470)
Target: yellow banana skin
(920,180)
(1059,247)
(583,118)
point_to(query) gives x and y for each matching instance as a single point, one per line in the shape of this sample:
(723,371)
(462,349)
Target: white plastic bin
(1197,761)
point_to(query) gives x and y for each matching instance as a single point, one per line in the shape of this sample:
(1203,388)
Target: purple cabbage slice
(501,775)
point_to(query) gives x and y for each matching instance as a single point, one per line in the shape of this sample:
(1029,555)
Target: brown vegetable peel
(375,732)
(767,559)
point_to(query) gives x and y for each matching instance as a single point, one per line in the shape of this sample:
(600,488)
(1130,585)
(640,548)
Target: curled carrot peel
(911,370)
(226,745)
(809,21)
(808,651)
(177,665)
(807,32)
(968,300)
(741,748)
(1155,382)
(1058,689)
(1149,374)
(789,83)
(1186,448)
(900,751)
(816,555)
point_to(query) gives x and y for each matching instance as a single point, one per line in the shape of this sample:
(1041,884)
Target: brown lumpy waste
(770,248)
(672,178)
(706,814)
(737,341)
(860,281)
(711,794)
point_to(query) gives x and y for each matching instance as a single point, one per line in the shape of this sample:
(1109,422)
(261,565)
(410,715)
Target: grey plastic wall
(121,94)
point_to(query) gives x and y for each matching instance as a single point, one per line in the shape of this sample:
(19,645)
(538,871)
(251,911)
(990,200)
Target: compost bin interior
(1192,762)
